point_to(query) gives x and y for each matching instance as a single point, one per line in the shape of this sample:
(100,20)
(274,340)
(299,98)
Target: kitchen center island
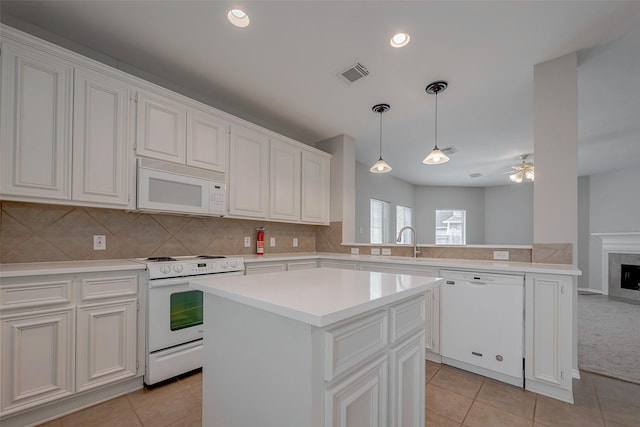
(325,347)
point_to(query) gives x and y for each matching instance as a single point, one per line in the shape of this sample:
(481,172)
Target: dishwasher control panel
(478,277)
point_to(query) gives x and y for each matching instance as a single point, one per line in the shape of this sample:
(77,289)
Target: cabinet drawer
(301,265)
(406,317)
(109,287)
(264,268)
(35,294)
(349,344)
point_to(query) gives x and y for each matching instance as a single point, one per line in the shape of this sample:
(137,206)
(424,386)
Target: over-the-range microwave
(172,188)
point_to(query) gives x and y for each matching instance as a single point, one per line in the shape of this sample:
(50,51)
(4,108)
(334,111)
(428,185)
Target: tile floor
(455,398)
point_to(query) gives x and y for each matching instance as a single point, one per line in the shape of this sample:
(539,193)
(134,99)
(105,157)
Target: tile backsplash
(32,232)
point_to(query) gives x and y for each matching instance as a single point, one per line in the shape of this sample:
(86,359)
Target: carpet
(609,337)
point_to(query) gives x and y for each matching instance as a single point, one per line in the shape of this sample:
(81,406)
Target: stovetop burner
(160,259)
(210,256)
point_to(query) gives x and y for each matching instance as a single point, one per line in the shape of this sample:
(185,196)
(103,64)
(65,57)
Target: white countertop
(317,297)
(463,264)
(67,267)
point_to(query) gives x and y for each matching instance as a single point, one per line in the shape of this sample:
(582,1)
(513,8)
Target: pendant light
(380,166)
(436,156)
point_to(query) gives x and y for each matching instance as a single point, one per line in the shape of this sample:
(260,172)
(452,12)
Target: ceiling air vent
(353,73)
(476,175)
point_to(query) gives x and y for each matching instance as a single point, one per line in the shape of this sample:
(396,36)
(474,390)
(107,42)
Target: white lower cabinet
(106,343)
(360,399)
(63,336)
(38,362)
(432,326)
(548,335)
(407,397)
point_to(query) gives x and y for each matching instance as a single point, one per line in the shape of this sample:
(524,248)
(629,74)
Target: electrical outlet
(386,251)
(355,251)
(247,242)
(503,255)
(99,242)
(375,251)
(272,242)
(295,242)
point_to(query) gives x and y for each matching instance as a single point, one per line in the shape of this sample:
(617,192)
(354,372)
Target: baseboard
(575,374)
(70,404)
(589,291)
(433,357)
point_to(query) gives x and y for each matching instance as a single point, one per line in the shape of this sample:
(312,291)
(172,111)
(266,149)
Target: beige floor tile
(97,414)
(434,420)
(508,398)
(123,420)
(614,424)
(191,421)
(431,369)
(553,412)
(482,415)
(447,403)
(53,423)
(192,380)
(167,410)
(623,413)
(144,396)
(458,381)
(608,388)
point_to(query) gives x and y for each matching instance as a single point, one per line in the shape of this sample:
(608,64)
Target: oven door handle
(160,283)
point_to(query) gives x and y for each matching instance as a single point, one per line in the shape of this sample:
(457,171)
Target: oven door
(174,314)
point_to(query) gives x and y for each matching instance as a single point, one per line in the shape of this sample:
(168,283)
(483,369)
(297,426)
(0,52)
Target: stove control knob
(224,265)
(233,264)
(178,268)
(165,269)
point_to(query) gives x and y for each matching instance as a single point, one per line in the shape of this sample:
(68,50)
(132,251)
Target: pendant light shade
(380,166)
(436,156)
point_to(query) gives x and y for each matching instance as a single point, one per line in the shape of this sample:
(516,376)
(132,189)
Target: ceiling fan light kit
(436,156)
(380,166)
(522,171)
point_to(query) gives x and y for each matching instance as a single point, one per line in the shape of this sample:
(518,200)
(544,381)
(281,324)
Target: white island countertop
(317,297)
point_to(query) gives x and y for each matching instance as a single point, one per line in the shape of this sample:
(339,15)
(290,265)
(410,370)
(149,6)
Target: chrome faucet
(415,244)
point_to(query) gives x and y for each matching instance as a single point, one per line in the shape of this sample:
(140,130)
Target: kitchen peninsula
(314,348)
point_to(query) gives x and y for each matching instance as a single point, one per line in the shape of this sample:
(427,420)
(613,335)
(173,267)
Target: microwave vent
(354,73)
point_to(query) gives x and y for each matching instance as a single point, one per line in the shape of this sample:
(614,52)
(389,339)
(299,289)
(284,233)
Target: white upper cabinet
(36,123)
(315,187)
(161,127)
(248,173)
(100,149)
(207,140)
(284,181)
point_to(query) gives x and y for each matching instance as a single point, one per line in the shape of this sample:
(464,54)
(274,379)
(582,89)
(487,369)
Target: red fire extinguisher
(260,241)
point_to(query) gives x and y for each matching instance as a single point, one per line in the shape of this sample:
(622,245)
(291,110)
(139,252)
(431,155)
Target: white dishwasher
(482,323)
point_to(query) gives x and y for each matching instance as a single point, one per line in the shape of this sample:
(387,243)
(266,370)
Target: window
(403,219)
(450,227)
(379,221)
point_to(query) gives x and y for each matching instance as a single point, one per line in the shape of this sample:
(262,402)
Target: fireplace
(630,277)
(619,248)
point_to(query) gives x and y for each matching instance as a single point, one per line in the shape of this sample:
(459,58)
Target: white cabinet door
(38,361)
(35,145)
(360,400)
(101,158)
(248,173)
(161,127)
(432,327)
(407,387)
(315,188)
(106,346)
(548,335)
(284,181)
(207,140)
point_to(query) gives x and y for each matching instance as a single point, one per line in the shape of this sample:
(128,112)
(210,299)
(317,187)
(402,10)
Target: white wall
(428,199)
(508,214)
(614,206)
(382,187)
(583,230)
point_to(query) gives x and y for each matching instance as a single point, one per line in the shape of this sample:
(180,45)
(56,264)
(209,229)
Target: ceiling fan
(523,170)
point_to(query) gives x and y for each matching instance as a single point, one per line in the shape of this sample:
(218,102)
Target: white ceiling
(280,71)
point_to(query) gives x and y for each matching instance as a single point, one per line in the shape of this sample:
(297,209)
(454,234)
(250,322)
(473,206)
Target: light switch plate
(295,242)
(272,242)
(247,242)
(375,251)
(503,255)
(386,251)
(355,251)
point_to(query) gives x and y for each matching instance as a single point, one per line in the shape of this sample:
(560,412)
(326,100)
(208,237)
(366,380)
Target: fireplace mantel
(617,242)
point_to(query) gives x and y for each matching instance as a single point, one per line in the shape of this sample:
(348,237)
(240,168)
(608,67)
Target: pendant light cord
(436,126)
(381,134)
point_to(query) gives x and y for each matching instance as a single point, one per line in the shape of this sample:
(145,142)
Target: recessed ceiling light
(400,40)
(238,18)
